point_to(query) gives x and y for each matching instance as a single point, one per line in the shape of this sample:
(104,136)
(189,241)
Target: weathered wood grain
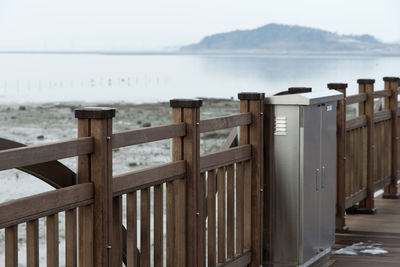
(224,122)
(32,243)
(24,156)
(148,177)
(224,158)
(353,99)
(147,135)
(40,205)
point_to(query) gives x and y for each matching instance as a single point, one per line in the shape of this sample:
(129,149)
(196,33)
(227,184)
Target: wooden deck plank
(383,227)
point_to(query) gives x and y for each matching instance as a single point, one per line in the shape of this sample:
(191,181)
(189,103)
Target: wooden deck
(383,227)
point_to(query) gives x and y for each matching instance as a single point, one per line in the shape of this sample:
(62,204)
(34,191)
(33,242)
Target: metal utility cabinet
(300,184)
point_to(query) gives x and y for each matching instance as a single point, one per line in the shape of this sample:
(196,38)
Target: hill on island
(285,38)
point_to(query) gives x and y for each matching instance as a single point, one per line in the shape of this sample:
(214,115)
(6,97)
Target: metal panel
(310,180)
(305,98)
(299,219)
(285,189)
(328,162)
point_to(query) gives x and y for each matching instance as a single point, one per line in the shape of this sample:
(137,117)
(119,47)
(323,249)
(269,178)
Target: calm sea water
(150,78)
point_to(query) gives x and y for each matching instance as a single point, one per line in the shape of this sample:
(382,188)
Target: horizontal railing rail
(382,93)
(382,116)
(353,99)
(147,135)
(145,178)
(25,156)
(224,158)
(356,123)
(25,209)
(225,122)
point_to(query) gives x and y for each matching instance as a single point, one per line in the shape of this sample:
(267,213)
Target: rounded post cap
(391,79)
(185,103)
(251,96)
(366,81)
(299,90)
(334,86)
(95,113)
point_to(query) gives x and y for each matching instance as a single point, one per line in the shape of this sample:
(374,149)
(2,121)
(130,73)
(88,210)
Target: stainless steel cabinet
(300,186)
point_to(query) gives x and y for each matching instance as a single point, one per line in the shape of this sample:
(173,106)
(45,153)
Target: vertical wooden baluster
(145,228)
(170,224)
(11,246)
(70,238)
(348,162)
(351,159)
(221,214)
(117,232)
(202,220)
(52,240)
(378,152)
(230,212)
(131,239)
(211,210)
(239,207)
(32,243)
(361,159)
(158,226)
(365,157)
(357,162)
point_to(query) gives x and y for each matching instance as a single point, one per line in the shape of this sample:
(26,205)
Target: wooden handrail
(25,156)
(382,93)
(225,122)
(146,135)
(223,158)
(358,98)
(382,116)
(148,177)
(356,123)
(33,207)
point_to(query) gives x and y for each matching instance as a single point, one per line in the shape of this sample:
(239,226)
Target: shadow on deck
(383,228)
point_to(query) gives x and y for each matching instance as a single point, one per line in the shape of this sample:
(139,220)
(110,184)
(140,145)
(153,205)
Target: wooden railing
(367,148)
(49,204)
(191,195)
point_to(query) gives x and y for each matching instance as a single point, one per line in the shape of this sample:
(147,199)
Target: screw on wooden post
(367,206)
(341,155)
(392,84)
(253,134)
(187,232)
(96,122)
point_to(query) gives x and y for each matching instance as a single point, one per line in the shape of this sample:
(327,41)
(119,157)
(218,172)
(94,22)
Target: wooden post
(367,108)
(392,83)
(85,213)
(98,123)
(255,104)
(186,197)
(341,157)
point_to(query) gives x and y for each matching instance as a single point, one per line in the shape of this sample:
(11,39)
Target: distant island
(279,38)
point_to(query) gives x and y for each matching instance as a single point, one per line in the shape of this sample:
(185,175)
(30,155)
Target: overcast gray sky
(157,24)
